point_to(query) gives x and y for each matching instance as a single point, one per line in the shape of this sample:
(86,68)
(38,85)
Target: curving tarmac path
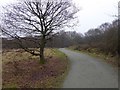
(89,72)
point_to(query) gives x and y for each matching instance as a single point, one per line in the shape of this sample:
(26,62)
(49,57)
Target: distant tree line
(60,40)
(104,39)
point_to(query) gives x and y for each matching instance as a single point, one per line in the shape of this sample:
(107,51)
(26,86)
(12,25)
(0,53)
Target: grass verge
(22,70)
(107,58)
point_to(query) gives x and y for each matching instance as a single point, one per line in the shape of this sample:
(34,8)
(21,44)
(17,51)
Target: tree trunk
(42,46)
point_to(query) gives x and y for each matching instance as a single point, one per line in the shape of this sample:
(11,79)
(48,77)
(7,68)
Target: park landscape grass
(22,70)
(114,61)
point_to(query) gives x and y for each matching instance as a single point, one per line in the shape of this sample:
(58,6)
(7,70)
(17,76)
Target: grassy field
(22,70)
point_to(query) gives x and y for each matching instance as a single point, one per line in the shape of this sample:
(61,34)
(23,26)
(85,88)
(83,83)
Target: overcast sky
(92,14)
(95,12)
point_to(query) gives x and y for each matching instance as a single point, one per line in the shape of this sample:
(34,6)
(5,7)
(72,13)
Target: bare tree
(43,18)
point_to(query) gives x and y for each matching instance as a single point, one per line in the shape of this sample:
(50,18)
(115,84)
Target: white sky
(95,12)
(92,14)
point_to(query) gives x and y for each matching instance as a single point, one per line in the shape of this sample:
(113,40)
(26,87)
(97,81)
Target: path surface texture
(89,72)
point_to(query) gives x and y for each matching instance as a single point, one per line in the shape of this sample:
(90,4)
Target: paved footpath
(89,72)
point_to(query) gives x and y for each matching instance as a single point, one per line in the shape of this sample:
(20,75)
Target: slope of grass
(22,70)
(113,60)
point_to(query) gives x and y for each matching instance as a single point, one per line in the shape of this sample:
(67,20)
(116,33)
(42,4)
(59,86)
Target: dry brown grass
(20,69)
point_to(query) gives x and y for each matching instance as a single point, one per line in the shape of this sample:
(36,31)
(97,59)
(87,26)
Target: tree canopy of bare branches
(43,18)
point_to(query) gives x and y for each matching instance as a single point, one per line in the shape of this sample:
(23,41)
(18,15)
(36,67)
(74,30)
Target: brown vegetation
(109,58)
(21,72)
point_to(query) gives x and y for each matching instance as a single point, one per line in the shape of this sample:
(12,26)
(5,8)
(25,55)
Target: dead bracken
(30,73)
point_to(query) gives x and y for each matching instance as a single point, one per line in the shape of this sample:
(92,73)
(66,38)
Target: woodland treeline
(103,39)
